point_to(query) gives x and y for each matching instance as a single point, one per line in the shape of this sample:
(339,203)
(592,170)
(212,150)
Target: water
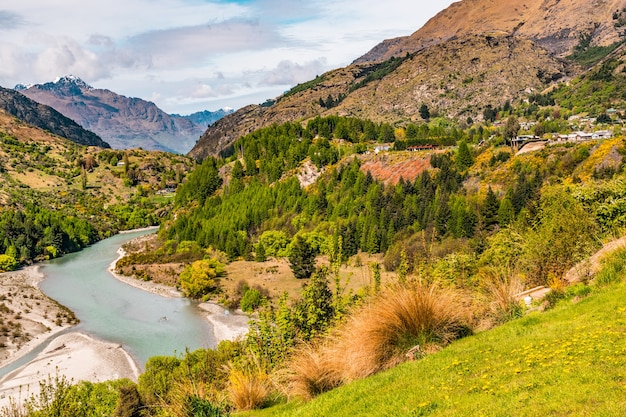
(144,324)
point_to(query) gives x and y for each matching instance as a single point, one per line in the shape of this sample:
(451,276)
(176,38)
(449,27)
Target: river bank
(28,317)
(77,357)
(31,319)
(43,325)
(227,324)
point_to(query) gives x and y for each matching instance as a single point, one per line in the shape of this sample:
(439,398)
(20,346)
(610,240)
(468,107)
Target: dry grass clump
(379,335)
(312,372)
(250,386)
(502,287)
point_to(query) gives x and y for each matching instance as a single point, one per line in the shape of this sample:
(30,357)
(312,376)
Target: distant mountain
(46,118)
(122,121)
(206,118)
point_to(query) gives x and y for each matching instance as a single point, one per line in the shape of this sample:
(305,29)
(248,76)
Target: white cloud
(188,54)
(291,73)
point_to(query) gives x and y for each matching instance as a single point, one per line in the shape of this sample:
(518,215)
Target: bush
(8,263)
(251,300)
(198,279)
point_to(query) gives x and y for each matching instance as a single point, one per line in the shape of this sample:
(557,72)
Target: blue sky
(191,55)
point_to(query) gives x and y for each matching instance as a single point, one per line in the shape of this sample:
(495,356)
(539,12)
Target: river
(145,324)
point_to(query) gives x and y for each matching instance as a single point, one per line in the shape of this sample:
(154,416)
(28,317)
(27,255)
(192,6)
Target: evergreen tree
(464,157)
(301,258)
(424,112)
(490,209)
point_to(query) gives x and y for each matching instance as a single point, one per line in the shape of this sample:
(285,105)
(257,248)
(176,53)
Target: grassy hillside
(57,196)
(564,362)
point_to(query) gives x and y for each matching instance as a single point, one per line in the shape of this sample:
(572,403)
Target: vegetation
(458,240)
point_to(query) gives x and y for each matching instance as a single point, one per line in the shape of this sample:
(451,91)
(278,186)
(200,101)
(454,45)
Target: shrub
(198,279)
(400,319)
(249,384)
(251,300)
(312,373)
(8,263)
(502,286)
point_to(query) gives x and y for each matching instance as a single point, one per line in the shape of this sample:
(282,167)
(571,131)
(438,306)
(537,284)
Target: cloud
(10,20)
(193,44)
(291,73)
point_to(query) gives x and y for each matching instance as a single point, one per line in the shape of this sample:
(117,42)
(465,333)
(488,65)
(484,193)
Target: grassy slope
(568,361)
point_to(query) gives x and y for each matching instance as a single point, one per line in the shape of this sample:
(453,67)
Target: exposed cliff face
(124,122)
(556,25)
(46,118)
(457,78)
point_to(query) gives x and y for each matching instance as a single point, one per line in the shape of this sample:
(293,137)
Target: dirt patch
(390,167)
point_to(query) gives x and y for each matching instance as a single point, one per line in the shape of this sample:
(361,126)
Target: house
(602,134)
(421,148)
(382,148)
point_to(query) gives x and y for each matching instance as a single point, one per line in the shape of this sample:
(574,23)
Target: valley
(367,242)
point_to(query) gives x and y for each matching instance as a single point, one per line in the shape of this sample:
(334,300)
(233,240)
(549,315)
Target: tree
(424,112)
(464,157)
(490,209)
(259,255)
(83,178)
(511,128)
(198,279)
(315,311)
(301,258)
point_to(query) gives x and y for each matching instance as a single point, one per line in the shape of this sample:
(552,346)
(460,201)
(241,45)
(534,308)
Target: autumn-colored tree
(198,279)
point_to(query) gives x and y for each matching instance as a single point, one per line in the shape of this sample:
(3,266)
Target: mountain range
(473,55)
(123,122)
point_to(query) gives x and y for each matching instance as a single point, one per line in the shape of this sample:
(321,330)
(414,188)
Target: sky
(193,55)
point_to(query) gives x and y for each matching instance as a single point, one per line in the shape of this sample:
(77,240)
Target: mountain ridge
(47,118)
(557,25)
(125,122)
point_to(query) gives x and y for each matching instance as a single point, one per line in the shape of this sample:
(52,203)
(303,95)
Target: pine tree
(301,258)
(464,157)
(490,209)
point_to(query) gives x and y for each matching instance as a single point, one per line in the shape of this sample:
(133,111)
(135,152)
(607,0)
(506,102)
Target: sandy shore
(227,325)
(74,355)
(28,316)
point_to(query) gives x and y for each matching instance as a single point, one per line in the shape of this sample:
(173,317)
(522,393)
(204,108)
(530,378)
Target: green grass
(569,361)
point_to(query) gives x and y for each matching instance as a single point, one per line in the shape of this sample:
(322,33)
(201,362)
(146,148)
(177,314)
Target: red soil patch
(389,168)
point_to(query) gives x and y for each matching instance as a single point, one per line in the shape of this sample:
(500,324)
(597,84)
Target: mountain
(458,78)
(475,54)
(46,118)
(122,121)
(206,118)
(556,25)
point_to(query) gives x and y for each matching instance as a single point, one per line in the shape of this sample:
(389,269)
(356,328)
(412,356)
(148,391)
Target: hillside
(456,79)
(564,362)
(46,118)
(58,196)
(122,121)
(556,25)
(474,54)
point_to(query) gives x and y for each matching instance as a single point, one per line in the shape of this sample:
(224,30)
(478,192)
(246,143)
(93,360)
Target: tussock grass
(250,386)
(379,335)
(502,286)
(567,361)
